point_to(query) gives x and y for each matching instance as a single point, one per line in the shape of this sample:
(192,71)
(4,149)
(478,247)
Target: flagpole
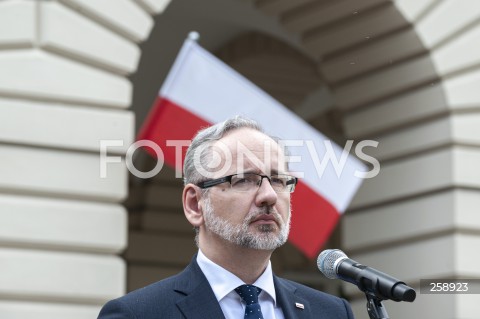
(194,35)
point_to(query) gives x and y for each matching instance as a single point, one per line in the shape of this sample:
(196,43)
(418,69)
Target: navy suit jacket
(188,295)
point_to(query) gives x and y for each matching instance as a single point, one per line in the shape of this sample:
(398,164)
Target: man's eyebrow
(259,172)
(250,171)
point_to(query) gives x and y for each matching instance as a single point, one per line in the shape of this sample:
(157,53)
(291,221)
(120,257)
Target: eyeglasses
(249,182)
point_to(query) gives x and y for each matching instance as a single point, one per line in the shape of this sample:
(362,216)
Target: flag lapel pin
(299,305)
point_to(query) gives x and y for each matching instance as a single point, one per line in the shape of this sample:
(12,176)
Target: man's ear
(192,198)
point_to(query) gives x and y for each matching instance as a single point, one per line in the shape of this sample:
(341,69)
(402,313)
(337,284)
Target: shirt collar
(223,282)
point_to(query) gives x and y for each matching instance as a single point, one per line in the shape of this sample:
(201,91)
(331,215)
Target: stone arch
(410,85)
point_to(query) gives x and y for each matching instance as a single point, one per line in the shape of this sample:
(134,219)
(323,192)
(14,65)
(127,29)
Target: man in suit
(237,197)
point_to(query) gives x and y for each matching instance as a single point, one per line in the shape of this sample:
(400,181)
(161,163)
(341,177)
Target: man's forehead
(257,148)
(249,137)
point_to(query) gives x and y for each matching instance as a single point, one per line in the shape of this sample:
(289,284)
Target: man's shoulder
(312,295)
(162,289)
(317,301)
(304,290)
(145,302)
(170,287)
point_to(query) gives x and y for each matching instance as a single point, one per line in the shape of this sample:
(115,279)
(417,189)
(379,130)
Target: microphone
(333,263)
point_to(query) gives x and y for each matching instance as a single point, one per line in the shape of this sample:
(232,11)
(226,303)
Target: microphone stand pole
(375,308)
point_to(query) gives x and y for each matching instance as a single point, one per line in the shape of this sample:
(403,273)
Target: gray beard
(240,234)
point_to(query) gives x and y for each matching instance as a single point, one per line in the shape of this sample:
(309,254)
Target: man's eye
(244,179)
(278,181)
(240,181)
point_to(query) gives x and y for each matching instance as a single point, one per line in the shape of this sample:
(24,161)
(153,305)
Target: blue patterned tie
(249,294)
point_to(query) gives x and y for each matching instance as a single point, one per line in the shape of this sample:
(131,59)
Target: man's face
(259,219)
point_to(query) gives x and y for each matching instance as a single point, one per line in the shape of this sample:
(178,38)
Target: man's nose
(266,195)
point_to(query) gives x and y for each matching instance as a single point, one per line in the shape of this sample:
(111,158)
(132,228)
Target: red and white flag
(201,90)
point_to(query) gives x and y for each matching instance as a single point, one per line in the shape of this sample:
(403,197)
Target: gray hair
(205,137)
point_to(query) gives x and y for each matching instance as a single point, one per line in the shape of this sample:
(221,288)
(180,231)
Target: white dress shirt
(224,282)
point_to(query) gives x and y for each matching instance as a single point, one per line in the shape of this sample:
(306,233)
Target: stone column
(418,219)
(63,89)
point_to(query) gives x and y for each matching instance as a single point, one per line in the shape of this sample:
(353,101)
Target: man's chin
(262,227)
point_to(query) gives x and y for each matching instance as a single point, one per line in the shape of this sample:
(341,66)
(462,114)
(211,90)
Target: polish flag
(201,90)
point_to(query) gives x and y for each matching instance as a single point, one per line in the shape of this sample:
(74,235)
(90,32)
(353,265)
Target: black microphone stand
(375,308)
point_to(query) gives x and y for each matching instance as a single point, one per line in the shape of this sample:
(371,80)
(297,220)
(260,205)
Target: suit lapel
(293,306)
(199,301)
